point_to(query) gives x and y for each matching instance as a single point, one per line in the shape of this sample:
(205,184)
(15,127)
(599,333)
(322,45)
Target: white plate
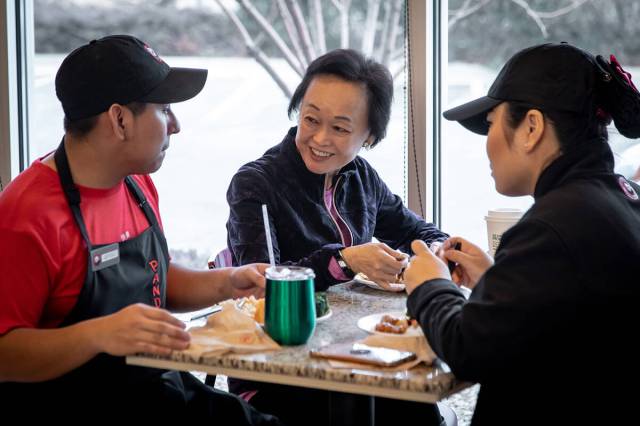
(369,322)
(362,279)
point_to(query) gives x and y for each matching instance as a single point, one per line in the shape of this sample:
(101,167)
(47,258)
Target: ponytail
(615,98)
(618,97)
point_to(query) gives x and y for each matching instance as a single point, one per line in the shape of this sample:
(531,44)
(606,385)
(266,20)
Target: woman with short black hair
(325,202)
(325,205)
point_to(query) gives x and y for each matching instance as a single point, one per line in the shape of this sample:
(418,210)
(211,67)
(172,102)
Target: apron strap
(70,190)
(150,215)
(142,201)
(73,195)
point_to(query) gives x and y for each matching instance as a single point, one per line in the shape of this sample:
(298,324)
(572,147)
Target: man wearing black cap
(86,273)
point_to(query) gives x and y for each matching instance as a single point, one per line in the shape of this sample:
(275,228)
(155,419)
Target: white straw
(267,231)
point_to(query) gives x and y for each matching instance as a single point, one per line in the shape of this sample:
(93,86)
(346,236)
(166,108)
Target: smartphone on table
(364,354)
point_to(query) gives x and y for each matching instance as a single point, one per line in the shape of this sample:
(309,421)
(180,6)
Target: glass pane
(240,113)
(481,38)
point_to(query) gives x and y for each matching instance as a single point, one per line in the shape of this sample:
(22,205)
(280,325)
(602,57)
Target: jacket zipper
(333,195)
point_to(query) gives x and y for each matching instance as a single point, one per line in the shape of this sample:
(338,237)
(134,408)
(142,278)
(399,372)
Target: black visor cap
(179,85)
(473,115)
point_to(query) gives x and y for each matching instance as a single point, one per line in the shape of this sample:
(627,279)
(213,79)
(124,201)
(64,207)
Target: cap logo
(153,53)
(627,189)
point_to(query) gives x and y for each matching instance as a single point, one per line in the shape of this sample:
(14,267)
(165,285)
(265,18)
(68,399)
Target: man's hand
(379,262)
(424,266)
(248,280)
(140,328)
(472,261)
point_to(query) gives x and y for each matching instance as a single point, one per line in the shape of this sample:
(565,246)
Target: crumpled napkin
(229,331)
(415,344)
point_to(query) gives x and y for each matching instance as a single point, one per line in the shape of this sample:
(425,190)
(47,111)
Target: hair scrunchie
(619,97)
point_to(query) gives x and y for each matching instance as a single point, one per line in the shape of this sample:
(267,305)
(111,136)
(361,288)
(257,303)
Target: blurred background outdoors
(253,69)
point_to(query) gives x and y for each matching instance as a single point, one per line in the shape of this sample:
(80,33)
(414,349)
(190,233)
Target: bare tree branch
(290,27)
(563,10)
(456,15)
(368,38)
(537,16)
(318,19)
(398,72)
(273,13)
(464,11)
(344,24)
(337,4)
(399,53)
(468,8)
(303,29)
(256,53)
(533,15)
(394,25)
(343,7)
(268,28)
(300,48)
(385,30)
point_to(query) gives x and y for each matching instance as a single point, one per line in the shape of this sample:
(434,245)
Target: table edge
(295,380)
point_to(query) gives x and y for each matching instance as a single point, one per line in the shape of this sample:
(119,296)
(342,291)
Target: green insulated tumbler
(290,311)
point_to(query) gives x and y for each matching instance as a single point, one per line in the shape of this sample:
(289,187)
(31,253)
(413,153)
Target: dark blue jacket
(548,329)
(302,230)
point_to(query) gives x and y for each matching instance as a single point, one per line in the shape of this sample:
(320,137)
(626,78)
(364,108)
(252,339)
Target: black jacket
(302,230)
(548,330)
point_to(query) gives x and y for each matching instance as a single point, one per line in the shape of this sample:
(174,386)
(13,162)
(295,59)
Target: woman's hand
(471,261)
(424,266)
(379,262)
(139,328)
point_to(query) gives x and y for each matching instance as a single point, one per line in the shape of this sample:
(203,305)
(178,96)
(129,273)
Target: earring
(365,145)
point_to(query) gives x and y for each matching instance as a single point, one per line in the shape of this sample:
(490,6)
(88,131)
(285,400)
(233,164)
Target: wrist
(92,332)
(344,264)
(227,288)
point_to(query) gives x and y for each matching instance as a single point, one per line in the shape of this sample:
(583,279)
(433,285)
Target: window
(482,35)
(14,42)
(242,109)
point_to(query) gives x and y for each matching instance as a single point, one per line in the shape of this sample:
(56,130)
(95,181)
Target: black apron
(105,386)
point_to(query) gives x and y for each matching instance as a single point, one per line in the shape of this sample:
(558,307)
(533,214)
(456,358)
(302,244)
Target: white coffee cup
(498,221)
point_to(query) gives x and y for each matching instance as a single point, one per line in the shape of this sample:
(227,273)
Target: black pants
(164,398)
(302,406)
(189,398)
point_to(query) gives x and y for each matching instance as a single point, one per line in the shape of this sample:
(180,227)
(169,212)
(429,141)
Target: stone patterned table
(293,366)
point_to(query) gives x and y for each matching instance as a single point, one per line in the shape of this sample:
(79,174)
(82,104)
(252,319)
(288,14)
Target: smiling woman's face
(333,124)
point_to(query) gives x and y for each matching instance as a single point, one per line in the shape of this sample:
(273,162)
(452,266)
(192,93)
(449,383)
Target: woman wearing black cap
(547,327)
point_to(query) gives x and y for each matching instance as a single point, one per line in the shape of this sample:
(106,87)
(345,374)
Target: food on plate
(391,324)
(252,307)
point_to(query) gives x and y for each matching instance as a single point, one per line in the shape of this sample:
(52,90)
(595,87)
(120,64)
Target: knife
(206,313)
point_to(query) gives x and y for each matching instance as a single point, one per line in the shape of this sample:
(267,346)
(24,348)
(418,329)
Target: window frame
(16,49)
(423,18)
(425,41)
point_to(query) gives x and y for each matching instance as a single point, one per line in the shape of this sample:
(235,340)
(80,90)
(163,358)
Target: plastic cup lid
(504,213)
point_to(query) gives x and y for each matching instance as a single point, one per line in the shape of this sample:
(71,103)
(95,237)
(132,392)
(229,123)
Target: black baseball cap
(120,69)
(554,76)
